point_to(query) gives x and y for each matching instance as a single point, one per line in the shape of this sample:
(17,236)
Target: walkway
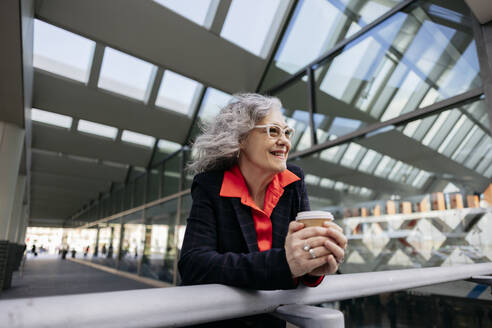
(48,275)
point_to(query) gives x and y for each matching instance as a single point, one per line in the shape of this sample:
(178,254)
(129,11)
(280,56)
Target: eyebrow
(277,123)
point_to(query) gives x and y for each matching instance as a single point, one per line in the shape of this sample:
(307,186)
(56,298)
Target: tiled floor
(48,275)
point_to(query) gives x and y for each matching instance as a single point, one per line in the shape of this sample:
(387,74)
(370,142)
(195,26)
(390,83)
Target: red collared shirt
(234,185)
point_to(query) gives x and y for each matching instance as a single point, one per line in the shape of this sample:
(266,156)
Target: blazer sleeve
(201,263)
(308,280)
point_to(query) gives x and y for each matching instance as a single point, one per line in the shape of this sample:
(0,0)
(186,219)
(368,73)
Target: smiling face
(263,153)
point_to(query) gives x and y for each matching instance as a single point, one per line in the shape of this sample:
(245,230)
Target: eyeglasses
(276,131)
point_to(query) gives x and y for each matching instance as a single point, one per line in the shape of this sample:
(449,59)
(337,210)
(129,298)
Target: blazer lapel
(281,217)
(246,223)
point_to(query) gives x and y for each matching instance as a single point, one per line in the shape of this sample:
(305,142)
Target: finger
(313,242)
(331,224)
(316,263)
(332,262)
(311,232)
(320,251)
(295,226)
(337,237)
(334,249)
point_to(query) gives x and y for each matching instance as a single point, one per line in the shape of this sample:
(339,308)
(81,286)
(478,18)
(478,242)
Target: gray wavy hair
(219,144)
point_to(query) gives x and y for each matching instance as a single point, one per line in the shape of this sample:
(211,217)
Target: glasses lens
(274,131)
(289,132)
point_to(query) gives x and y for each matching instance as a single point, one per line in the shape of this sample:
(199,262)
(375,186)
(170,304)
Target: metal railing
(181,306)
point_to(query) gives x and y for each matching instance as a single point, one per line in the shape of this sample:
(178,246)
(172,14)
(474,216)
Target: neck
(257,180)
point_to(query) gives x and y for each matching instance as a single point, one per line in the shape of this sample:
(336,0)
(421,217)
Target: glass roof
(317,25)
(62,52)
(178,93)
(213,102)
(168,146)
(125,74)
(201,12)
(250,23)
(97,129)
(138,138)
(59,120)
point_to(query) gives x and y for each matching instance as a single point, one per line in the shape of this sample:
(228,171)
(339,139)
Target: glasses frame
(267,128)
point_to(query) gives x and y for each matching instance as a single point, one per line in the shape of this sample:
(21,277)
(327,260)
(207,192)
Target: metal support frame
(278,42)
(433,109)
(339,47)
(312,104)
(483,41)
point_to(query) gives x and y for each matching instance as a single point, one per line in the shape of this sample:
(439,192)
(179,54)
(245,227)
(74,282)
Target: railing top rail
(181,306)
(416,215)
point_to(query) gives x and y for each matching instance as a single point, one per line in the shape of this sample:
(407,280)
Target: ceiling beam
(148,30)
(76,143)
(60,95)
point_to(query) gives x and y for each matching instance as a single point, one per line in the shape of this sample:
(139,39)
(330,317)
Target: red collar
(234,185)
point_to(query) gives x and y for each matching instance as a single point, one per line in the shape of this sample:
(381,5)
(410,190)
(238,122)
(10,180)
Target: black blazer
(220,244)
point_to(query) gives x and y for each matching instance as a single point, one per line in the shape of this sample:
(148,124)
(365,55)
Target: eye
(289,132)
(274,131)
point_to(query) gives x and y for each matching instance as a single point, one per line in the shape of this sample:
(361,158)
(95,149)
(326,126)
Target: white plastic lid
(314,215)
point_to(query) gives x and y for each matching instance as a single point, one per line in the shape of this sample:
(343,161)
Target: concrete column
(16,219)
(21,233)
(11,142)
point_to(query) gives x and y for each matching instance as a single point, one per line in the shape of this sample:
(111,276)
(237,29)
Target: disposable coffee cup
(314,218)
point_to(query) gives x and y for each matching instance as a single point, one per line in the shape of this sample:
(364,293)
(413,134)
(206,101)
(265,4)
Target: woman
(240,231)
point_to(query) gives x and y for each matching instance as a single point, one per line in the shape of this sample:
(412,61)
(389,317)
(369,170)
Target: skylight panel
(168,146)
(312,179)
(213,102)
(59,120)
(368,161)
(451,134)
(138,138)
(349,158)
(97,129)
(327,183)
(125,74)
(178,93)
(421,179)
(62,52)
(249,24)
(201,12)
(435,128)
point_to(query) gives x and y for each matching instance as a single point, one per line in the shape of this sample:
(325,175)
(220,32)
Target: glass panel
(138,138)
(97,129)
(62,52)
(160,251)
(178,93)
(139,196)
(50,118)
(172,173)
(296,112)
(213,101)
(153,186)
(125,74)
(249,23)
(407,62)
(201,12)
(316,26)
(133,242)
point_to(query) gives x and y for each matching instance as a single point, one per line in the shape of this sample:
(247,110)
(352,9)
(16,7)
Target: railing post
(306,316)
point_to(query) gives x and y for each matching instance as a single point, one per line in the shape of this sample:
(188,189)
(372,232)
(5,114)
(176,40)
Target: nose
(283,140)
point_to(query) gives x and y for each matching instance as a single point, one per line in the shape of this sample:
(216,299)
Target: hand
(316,238)
(336,244)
